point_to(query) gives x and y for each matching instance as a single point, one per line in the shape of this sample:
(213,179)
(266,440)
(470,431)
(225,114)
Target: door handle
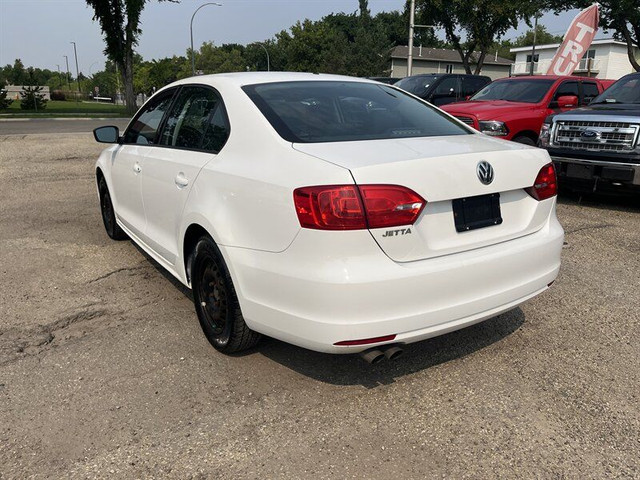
(137,168)
(181,180)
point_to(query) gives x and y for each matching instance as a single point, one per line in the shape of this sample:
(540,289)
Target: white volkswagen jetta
(334,213)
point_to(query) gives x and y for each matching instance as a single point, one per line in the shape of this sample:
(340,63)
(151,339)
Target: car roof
(548,77)
(240,79)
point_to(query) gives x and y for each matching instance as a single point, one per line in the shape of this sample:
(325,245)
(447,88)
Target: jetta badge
(485,172)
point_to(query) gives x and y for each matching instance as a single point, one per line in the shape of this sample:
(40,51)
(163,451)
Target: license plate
(579,171)
(477,212)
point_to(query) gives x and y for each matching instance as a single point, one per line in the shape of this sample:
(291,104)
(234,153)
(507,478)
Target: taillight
(546,184)
(355,207)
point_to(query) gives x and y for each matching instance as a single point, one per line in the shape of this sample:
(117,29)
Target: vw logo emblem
(485,172)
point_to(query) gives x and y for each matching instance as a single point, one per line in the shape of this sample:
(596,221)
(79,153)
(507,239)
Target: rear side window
(197,121)
(144,128)
(590,91)
(327,111)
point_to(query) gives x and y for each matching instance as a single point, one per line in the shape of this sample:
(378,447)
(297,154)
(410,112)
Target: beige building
(441,60)
(13,92)
(606,58)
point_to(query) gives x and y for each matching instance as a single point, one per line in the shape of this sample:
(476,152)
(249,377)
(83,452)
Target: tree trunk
(127,77)
(481,58)
(629,41)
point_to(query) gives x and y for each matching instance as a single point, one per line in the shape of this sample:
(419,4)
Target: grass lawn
(67,108)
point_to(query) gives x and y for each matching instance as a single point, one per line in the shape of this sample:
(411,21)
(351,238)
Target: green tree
(4,101)
(620,16)
(32,98)
(475,26)
(119,21)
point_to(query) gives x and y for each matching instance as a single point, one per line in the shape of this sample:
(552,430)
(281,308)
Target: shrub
(4,101)
(58,95)
(32,99)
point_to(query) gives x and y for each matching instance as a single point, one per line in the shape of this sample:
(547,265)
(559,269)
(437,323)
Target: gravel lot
(104,370)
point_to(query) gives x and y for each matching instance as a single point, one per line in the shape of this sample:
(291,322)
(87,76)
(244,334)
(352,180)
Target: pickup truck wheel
(216,301)
(525,140)
(108,213)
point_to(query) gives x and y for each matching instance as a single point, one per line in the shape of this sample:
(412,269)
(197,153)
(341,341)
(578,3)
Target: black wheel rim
(212,295)
(107,211)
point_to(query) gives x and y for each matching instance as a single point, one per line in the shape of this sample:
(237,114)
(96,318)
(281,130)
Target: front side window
(144,128)
(567,88)
(196,121)
(332,111)
(520,90)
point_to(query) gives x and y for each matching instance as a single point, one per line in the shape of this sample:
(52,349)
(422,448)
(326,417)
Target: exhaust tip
(393,352)
(372,356)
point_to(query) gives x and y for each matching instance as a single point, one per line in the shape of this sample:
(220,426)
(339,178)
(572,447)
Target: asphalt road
(24,126)
(104,370)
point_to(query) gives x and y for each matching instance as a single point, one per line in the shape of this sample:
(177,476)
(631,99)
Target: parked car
(443,88)
(515,108)
(334,213)
(597,148)
(387,80)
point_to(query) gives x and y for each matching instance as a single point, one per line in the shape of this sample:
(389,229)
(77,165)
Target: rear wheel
(216,301)
(108,213)
(525,140)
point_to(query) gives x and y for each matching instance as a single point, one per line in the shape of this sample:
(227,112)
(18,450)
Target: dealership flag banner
(576,42)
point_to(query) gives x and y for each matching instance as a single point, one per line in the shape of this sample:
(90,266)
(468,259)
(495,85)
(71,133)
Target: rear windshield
(417,85)
(527,91)
(333,111)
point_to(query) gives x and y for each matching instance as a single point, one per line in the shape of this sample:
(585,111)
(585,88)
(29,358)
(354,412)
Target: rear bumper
(334,286)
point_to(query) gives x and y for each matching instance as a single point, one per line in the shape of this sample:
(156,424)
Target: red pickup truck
(515,108)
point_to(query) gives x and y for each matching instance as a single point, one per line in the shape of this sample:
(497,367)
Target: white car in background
(333,213)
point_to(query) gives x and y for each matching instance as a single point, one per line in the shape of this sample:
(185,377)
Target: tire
(525,140)
(216,301)
(108,213)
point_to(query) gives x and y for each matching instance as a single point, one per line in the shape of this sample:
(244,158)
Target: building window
(449,68)
(588,61)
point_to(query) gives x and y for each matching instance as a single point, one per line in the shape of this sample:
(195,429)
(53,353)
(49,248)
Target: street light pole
(77,71)
(68,81)
(267,52)
(193,55)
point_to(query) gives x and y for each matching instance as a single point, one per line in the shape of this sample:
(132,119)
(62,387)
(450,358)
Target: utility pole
(412,13)
(68,81)
(533,49)
(412,27)
(77,71)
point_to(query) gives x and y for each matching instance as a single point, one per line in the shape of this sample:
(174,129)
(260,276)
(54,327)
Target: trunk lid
(442,169)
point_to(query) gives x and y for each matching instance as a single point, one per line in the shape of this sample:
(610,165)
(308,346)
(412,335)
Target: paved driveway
(104,369)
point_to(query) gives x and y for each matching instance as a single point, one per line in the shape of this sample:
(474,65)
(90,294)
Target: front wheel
(216,301)
(525,140)
(108,213)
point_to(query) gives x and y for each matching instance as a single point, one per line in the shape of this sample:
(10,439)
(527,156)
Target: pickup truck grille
(596,136)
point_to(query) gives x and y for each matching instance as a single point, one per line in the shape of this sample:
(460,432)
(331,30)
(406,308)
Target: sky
(40,32)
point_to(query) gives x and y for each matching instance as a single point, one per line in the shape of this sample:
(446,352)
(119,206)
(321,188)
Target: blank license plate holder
(471,213)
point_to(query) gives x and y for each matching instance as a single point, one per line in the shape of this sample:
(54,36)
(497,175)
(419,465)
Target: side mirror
(567,101)
(109,134)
